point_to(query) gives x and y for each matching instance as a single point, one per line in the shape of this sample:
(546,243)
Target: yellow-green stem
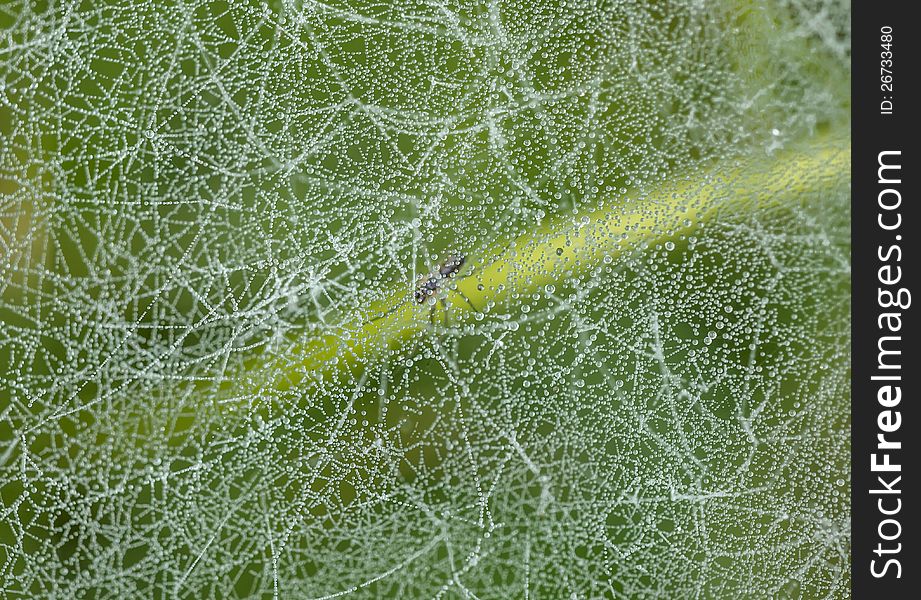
(566,248)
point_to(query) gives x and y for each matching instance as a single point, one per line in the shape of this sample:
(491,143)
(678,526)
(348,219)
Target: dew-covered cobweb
(191,191)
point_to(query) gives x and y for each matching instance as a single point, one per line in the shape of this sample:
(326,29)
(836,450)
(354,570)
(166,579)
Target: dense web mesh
(191,191)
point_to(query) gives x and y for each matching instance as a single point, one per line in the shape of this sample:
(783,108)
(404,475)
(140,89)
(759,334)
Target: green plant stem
(567,248)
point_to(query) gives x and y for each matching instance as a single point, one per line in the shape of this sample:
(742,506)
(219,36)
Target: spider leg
(444,309)
(386,314)
(467,300)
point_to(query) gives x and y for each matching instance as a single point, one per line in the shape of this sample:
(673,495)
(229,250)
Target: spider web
(187,189)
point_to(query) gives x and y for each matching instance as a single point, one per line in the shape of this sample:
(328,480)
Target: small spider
(430,283)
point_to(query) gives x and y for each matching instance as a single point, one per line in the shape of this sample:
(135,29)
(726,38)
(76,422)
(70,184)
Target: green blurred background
(188,190)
